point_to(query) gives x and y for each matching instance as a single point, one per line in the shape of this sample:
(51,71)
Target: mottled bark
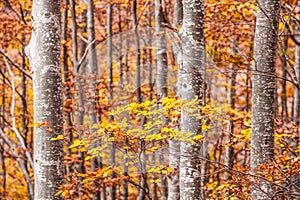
(161,52)
(44,54)
(191,86)
(263,97)
(174,146)
(161,79)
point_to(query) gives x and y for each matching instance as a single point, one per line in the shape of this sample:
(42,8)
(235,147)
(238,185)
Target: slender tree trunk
(191,86)
(44,54)
(296,106)
(148,50)
(296,95)
(142,157)
(3,170)
(24,107)
(24,94)
(120,52)
(24,170)
(2,158)
(112,189)
(161,52)
(229,151)
(161,79)
(126,142)
(80,81)
(263,97)
(92,72)
(284,107)
(68,95)
(174,146)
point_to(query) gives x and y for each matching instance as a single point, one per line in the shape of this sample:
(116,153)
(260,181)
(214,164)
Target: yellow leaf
(76,144)
(205,127)
(154,181)
(88,158)
(38,124)
(58,193)
(59,137)
(198,137)
(246,133)
(247,123)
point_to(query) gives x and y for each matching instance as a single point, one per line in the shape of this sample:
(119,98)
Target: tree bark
(68,95)
(284,103)
(191,86)
(296,96)
(44,52)
(92,72)
(229,151)
(142,158)
(263,97)
(161,79)
(79,78)
(112,189)
(174,146)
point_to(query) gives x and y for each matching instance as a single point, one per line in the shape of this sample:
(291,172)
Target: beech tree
(174,146)
(44,52)
(263,93)
(191,86)
(161,75)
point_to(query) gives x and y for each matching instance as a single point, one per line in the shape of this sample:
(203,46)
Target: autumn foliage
(140,133)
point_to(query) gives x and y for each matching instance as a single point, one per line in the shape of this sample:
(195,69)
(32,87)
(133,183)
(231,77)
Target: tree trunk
(112,189)
(296,102)
(174,146)
(142,159)
(284,106)
(263,98)
(44,54)
(68,95)
(191,86)
(126,142)
(229,151)
(161,79)
(92,75)
(79,79)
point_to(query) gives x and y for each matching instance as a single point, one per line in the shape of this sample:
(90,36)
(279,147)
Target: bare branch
(15,64)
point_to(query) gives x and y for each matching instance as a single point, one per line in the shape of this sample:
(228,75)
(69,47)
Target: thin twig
(14,128)
(84,55)
(15,64)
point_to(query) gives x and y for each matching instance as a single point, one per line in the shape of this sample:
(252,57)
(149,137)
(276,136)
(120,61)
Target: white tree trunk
(191,85)
(263,97)
(44,52)
(174,145)
(161,79)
